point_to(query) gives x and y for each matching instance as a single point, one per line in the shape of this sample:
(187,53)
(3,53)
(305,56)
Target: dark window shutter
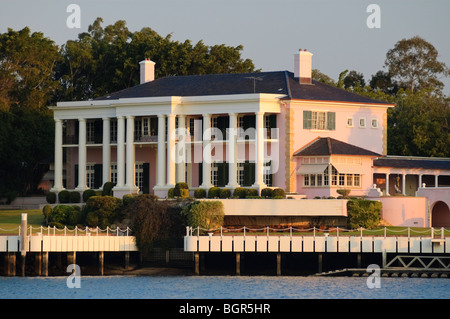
(98,176)
(307,118)
(249,174)
(146,178)
(76,175)
(331,120)
(200,174)
(222,174)
(273,120)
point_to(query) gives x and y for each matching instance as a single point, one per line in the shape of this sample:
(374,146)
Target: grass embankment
(10,220)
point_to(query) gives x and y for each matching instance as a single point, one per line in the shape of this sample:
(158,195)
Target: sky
(271,31)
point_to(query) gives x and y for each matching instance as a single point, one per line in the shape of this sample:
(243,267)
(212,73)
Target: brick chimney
(147,69)
(303,66)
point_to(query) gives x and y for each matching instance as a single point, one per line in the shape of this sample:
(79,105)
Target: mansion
(267,129)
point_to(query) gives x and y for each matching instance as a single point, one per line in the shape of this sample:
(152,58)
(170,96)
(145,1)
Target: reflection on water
(223,287)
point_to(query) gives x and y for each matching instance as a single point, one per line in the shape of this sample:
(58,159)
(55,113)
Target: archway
(440,215)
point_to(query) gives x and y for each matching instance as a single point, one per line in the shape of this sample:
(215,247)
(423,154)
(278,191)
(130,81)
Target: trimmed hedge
(51,198)
(64,196)
(204,214)
(214,192)
(363,213)
(88,193)
(240,192)
(74,197)
(200,193)
(103,211)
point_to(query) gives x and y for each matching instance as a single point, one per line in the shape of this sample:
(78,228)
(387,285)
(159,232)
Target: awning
(347,168)
(312,168)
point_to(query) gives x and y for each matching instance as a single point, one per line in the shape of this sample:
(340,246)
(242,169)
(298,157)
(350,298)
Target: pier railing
(66,231)
(291,239)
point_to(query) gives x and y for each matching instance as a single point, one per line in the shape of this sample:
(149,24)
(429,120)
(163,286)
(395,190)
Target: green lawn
(11,219)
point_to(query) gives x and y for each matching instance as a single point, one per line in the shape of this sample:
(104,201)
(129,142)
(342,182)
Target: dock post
(197,263)
(101,260)
(320,262)
(45,263)
(278,264)
(238,264)
(127,259)
(10,259)
(24,246)
(71,258)
(38,264)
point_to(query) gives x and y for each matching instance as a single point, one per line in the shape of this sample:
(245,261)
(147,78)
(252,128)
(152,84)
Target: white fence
(50,239)
(291,242)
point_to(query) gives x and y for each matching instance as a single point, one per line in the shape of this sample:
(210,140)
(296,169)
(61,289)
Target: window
(240,173)
(214,174)
(139,175)
(337,179)
(319,120)
(113,128)
(144,128)
(114,173)
(374,123)
(350,122)
(362,122)
(267,178)
(90,176)
(90,132)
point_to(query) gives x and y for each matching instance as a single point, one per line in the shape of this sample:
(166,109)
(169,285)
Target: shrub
(51,198)
(252,192)
(343,192)
(156,222)
(88,193)
(107,189)
(363,213)
(240,192)
(74,197)
(103,211)
(204,214)
(278,192)
(181,190)
(225,193)
(60,214)
(171,193)
(200,193)
(64,196)
(73,216)
(214,192)
(47,211)
(267,192)
(128,199)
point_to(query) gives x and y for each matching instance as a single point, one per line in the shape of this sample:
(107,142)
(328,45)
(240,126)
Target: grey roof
(330,146)
(409,162)
(276,82)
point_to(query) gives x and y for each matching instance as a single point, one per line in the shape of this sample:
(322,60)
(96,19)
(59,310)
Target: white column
(420,181)
(82,155)
(106,151)
(120,151)
(232,150)
(206,163)
(259,152)
(404,184)
(387,184)
(131,165)
(436,180)
(171,150)
(180,156)
(58,183)
(161,158)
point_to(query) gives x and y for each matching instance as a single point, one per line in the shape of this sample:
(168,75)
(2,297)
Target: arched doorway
(440,215)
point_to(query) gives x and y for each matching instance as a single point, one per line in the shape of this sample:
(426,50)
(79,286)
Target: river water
(222,287)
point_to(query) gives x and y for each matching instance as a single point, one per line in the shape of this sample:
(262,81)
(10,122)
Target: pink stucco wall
(404,211)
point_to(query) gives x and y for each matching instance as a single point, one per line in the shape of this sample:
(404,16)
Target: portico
(182,125)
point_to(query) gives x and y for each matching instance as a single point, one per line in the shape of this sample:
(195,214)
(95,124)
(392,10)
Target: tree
(354,79)
(26,70)
(114,53)
(383,81)
(414,64)
(419,125)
